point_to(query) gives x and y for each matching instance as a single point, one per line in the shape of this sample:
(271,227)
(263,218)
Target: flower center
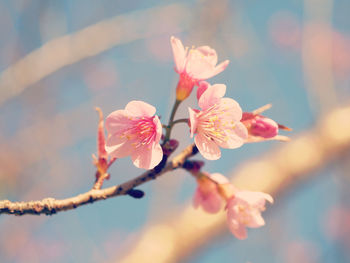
(214,123)
(142,131)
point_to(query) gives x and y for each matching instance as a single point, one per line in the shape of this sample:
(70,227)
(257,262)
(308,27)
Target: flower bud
(261,128)
(264,127)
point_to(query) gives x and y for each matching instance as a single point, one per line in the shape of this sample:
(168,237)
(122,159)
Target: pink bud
(264,127)
(261,128)
(101,151)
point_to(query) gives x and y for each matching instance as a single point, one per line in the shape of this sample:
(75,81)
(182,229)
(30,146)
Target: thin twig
(171,120)
(50,206)
(180,121)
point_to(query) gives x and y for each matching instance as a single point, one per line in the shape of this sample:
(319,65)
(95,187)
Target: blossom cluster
(217,122)
(243,207)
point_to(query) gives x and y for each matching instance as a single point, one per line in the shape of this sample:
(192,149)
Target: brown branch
(50,206)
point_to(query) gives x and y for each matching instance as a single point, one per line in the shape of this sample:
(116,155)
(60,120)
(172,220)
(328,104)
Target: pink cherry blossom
(207,194)
(244,210)
(217,124)
(135,131)
(193,66)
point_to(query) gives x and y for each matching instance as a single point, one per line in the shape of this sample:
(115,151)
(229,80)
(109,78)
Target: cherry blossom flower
(244,210)
(261,128)
(193,66)
(217,124)
(135,131)
(207,194)
(243,207)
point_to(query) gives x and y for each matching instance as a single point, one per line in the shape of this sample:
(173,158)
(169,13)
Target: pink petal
(119,147)
(197,198)
(147,157)
(117,121)
(214,71)
(254,198)
(179,53)
(218,178)
(233,108)
(241,130)
(234,139)
(101,141)
(193,121)
(203,85)
(159,129)
(268,198)
(207,148)
(140,109)
(209,53)
(212,203)
(211,96)
(196,65)
(237,229)
(256,220)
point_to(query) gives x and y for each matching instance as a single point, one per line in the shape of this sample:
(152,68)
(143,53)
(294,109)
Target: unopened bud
(264,127)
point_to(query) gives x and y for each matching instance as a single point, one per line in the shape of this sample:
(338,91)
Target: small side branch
(50,206)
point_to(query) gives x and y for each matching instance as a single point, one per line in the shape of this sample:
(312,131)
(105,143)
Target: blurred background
(60,59)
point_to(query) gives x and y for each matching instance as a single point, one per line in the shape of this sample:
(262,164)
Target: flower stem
(171,120)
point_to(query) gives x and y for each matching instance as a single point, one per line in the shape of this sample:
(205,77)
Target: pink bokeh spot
(136,132)
(194,65)
(244,210)
(217,124)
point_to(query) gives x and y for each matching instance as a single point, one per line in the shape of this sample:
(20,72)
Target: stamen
(214,122)
(142,132)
